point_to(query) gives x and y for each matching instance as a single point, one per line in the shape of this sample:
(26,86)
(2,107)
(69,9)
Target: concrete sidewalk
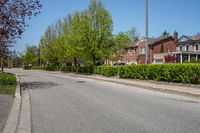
(174,88)
(5,106)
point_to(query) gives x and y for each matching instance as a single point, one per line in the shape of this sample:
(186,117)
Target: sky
(171,15)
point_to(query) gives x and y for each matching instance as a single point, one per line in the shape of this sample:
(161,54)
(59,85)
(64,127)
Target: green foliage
(165,34)
(84,69)
(107,70)
(38,67)
(184,73)
(81,37)
(31,56)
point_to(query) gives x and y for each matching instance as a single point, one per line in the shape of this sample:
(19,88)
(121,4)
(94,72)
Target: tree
(120,41)
(133,34)
(13,14)
(165,34)
(31,56)
(100,30)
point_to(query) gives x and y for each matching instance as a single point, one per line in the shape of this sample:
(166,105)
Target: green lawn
(7,83)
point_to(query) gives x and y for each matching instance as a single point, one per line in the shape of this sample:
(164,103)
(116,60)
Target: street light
(146,55)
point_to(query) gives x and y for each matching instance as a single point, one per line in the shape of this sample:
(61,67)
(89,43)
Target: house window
(196,47)
(180,48)
(142,50)
(187,47)
(131,50)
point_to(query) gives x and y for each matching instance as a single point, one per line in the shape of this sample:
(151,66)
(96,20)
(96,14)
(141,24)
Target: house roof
(195,37)
(152,41)
(132,44)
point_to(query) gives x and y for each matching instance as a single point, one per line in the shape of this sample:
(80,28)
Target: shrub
(38,68)
(107,70)
(27,67)
(78,69)
(184,73)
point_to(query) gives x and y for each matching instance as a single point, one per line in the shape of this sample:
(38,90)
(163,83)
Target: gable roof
(132,44)
(152,41)
(190,38)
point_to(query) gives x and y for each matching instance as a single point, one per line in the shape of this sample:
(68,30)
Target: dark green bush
(52,68)
(184,73)
(27,67)
(78,69)
(107,70)
(38,68)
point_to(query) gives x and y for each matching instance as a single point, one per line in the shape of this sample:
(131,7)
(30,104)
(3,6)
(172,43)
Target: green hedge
(107,70)
(84,69)
(183,73)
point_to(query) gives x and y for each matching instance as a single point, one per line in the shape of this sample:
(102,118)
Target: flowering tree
(13,15)
(171,59)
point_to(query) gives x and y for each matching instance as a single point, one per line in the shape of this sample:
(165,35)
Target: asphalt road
(63,104)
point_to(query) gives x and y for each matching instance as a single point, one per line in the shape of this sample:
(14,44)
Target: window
(131,50)
(187,47)
(196,47)
(142,50)
(180,48)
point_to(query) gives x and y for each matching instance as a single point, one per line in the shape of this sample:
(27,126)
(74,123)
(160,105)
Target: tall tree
(165,34)
(101,26)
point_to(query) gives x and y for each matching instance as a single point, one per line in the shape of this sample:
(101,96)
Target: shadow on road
(39,85)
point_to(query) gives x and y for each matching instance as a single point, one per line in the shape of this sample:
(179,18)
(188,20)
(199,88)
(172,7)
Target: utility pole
(147,30)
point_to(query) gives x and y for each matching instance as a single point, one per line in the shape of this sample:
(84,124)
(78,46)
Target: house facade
(188,48)
(158,49)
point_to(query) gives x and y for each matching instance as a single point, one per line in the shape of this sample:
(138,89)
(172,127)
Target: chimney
(175,36)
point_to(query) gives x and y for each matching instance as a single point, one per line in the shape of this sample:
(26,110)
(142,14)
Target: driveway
(64,104)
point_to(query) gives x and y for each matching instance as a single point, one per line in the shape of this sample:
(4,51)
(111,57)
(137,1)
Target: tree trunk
(2,64)
(75,61)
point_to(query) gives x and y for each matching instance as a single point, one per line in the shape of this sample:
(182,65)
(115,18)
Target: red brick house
(158,48)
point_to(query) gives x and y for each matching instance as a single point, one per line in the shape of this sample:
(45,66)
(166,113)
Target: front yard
(7,83)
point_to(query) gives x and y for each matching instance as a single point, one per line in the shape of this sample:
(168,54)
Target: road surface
(64,104)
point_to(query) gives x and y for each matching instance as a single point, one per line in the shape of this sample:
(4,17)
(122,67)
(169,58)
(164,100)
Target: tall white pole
(147,30)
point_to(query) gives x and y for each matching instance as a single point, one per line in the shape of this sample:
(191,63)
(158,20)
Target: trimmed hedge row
(84,69)
(183,73)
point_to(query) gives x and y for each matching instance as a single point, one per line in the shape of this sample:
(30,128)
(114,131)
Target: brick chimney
(175,36)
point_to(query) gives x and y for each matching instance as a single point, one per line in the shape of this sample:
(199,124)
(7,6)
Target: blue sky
(170,15)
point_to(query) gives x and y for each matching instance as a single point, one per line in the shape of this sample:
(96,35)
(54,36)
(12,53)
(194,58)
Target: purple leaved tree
(13,15)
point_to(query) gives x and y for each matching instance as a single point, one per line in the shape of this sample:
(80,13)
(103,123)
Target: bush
(184,73)
(52,68)
(27,67)
(107,70)
(38,68)
(84,69)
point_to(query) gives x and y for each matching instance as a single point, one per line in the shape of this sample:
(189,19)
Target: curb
(151,86)
(14,114)
(24,125)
